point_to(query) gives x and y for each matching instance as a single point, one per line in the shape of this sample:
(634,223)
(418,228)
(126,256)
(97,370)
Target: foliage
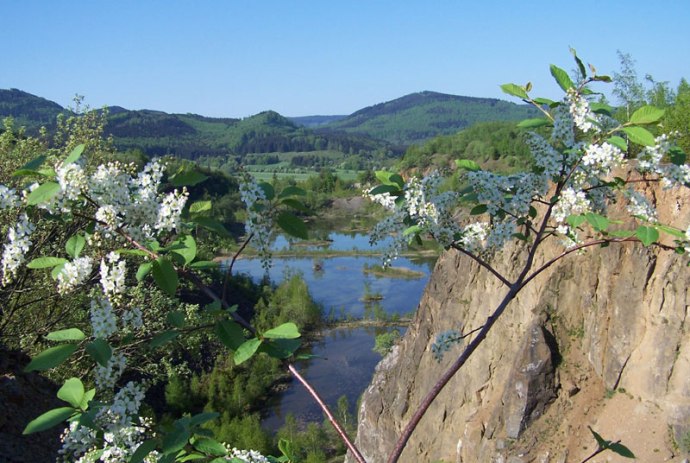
(384,342)
(496,146)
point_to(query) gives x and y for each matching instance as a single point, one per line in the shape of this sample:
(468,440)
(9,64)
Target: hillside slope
(420,116)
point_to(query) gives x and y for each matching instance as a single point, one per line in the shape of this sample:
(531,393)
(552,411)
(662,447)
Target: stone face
(599,339)
(531,385)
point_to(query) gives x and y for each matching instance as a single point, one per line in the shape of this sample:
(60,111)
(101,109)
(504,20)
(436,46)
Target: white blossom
(247,456)
(8,198)
(638,205)
(18,244)
(113,275)
(582,115)
(106,376)
(258,223)
(103,318)
(73,274)
(570,202)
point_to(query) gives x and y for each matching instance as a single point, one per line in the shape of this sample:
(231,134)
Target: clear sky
(237,58)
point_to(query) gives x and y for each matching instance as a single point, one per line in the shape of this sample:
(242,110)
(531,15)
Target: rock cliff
(599,339)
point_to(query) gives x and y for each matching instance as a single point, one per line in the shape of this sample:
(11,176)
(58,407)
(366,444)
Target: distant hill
(421,116)
(28,110)
(383,128)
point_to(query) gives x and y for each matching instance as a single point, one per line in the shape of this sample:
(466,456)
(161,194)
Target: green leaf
(165,275)
(479,209)
(618,142)
(562,78)
(230,334)
(143,451)
(520,236)
(284,331)
(546,101)
(580,64)
(598,222)
(188,251)
(56,270)
(384,176)
(534,123)
(413,230)
(532,212)
(291,191)
(100,351)
(672,231)
(46,262)
(245,351)
(210,447)
(176,318)
(69,334)
(292,225)
(397,179)
(48,420)
(212,225)
(163,338)
(187,178)
(75,245)
(34,164)
(515,90)
(192,457)
(43,193)
(88,397)
(74,155)
(621,450)
(601,108)
(646,115)
(201,418)
(639,135)
(280,348)
(269,191)
(72,392)
(143,270)
(199,207)
(467,164)
(204,264)
(604,78)
(381,189)
(647,235)
(295,204)
(175,440)
(677,156)
(51,357)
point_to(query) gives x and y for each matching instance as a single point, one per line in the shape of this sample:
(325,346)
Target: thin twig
(341,432)
(483,263)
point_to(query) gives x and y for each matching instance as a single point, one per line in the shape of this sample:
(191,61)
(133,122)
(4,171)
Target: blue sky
(236,58)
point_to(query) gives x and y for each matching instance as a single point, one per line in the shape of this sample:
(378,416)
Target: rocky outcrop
(599,339)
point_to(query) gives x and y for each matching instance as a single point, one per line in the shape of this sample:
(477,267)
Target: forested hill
(28,110)
(190,135)
(420,116)
(382,128)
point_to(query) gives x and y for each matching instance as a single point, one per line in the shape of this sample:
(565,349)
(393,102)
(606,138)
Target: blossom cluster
(18,244)
(258,223)
(247,456)
(74,274)
(581,166)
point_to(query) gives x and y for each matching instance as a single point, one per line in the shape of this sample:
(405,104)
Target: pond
(346,361)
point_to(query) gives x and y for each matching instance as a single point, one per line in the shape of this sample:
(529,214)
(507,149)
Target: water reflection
(346,360)
(344,366)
